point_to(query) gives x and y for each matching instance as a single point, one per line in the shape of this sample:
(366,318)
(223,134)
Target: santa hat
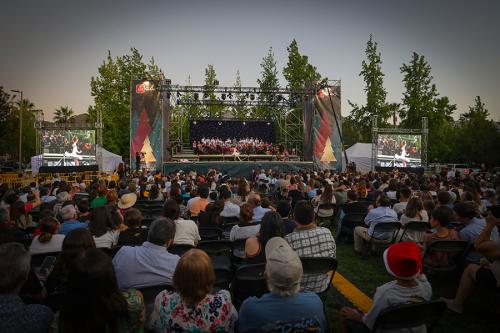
(403,260)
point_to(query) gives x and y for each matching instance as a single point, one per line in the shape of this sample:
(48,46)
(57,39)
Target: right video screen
(399,150)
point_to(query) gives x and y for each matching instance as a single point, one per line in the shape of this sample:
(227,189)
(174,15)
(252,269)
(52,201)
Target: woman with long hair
(242,191)
(49,239)
(105,225)
(211,216)
(271,226)
(326,197)
(93,302)
(192,308)
(244,229)
(414,211)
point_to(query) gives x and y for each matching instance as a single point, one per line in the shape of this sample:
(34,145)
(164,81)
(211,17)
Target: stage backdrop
(327,148)
(146,123)
(223,129)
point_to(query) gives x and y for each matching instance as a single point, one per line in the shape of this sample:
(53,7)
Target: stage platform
(232,168)
(229,158)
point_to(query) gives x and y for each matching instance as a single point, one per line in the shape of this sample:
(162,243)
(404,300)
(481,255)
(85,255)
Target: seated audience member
(192,307)
(69,221)
(62,197)
(212,196)
(149,264)
(429,206)
(326,197)
(105,226)
(45,195)
(111,198)
(126,201)
(284,308)
(100,200)
(441,218)
(15,316)
(259,207)
(92,290)
(198,204)
(155,194)
(404,262)
(49,239)
(211,218)
(404,196)
(83,210)
(414,212)
(74,242)
(382,214)
(485,277)
(270,226)
(134,234)
(465,213)
(244,229)
(283,208)
(8,231)
(230,209)
(186,231)
(353,206)
(309,240)
(444,199)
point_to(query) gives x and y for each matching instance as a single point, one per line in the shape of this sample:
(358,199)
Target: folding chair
(326,206)
(414,227)
(410,316)
(455,250)
(210,233)
(220,251)
(146,222)
(320,265)
(149,293)
(238,247)
(180,249)
(384,227)
(37,259)
(348,223)
(249,281)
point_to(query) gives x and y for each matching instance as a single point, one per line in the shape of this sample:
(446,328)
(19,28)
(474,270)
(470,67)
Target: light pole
(20,127)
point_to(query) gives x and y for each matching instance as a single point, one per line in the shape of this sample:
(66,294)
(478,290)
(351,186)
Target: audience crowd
(103,245)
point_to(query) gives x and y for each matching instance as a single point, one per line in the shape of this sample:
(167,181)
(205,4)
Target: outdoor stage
(236,168)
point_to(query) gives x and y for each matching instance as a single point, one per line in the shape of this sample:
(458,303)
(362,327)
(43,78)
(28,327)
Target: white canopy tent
(361,154)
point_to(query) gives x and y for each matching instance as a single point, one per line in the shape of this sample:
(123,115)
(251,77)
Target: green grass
(369,272)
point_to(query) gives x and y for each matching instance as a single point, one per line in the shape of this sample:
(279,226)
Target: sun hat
(283,265)
(127,200)
(403,260)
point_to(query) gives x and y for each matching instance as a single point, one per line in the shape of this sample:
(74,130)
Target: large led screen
(399,150)
(68,147)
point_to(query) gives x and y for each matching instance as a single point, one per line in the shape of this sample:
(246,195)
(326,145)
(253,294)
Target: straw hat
(127,200)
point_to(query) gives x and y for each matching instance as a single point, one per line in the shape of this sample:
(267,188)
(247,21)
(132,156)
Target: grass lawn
(369,273)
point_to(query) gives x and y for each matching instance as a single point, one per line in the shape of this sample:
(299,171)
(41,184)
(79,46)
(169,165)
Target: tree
(268,82)
(215,108)
(111,92)
(63,114)
(376,105)
(420,93)
(5,105)
(298,71)
(240,110)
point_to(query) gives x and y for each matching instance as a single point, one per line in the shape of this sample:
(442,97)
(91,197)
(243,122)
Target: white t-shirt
(391,294)
(54,245)
(109,239)
(400,207)
(186,232)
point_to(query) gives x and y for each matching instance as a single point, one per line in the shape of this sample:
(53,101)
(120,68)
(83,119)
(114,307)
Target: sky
(51,49)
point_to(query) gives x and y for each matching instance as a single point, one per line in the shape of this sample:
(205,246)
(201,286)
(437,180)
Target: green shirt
(98,202)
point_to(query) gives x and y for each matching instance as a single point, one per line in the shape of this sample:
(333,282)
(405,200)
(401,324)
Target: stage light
(244,123)
(223,97)
(252,97)
(219,123)
(194,122)
(196,96)
(268,123)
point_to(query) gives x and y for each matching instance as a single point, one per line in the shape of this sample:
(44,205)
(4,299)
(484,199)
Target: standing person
(192,308)
(284,308)
(137,161)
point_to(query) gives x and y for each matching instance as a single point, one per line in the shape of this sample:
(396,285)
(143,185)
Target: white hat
(283,265)
(127,200)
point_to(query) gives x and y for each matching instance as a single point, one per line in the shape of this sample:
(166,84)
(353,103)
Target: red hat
(403,260)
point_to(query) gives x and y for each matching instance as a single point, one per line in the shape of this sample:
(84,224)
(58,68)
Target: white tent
(361,154)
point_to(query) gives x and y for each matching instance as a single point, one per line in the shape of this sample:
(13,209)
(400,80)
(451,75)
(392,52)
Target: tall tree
(63,114)
(239,111)
(111,92)
(420,93)
(268,82)
(5,105)
(298,71)
(376,105)
(215,108)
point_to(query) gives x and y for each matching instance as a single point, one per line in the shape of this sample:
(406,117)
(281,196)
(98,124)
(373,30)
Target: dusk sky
(51,49)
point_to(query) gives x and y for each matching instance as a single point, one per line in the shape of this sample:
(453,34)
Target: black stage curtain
(239,129)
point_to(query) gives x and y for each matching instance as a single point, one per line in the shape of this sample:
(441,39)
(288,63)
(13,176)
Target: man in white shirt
(230,209)
(404,195)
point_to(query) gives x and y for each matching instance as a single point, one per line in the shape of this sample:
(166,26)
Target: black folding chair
(410,316)
(146,222)
(348,223)
(37,259)
(454,249)
(249,281)
(386,228)
(414,227)
(320,265)
(26,242)
(180,249)
(210,233)
(149,293)
(326,206)
(155,212)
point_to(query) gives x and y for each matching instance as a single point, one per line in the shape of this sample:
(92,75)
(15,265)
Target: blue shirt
(71,225)
(15,316)
(143,266)
(258,213)
(275,313)
(380,215)
(470,232)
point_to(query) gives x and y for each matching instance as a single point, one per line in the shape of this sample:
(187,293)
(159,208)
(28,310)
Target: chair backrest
(249,281)
(231,220)
(387,227)
(37,259)
(319,265)
(354,218)
(210,233)
(216,247)
(415,226)
(150,293)
(410,316)
(180,249)
(146,222)
(327,206)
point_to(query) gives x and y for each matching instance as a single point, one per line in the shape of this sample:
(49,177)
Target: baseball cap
(283,265)
(403,260)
